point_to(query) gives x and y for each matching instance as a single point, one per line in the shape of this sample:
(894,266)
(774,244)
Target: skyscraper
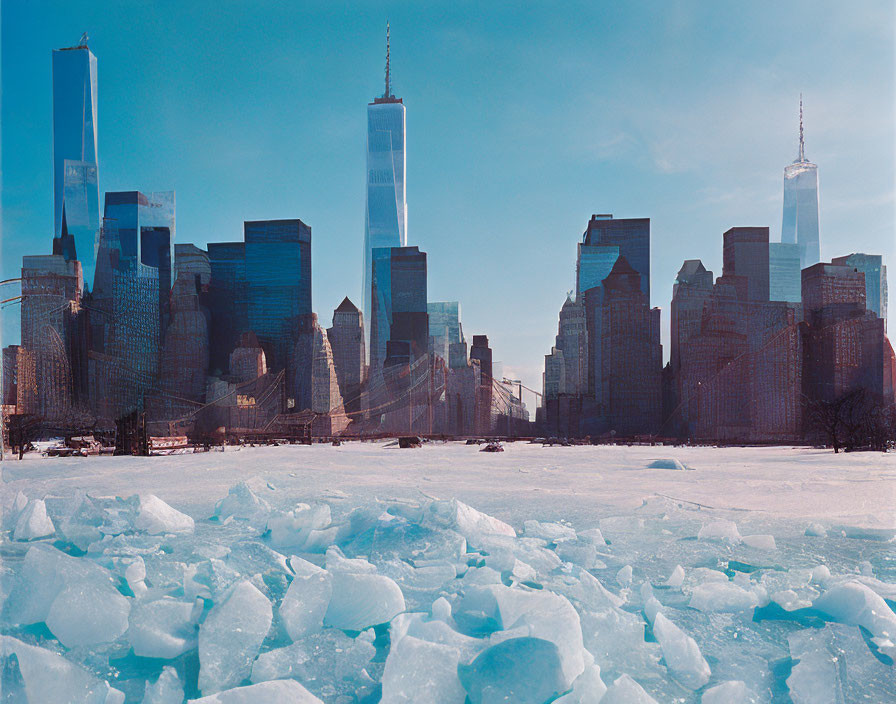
(385,222)
(875,280)
(745,261)
(800,222)
(347,342)
(630,235)
(76,192)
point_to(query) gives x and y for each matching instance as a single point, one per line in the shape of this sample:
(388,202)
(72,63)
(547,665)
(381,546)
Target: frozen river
(366,573)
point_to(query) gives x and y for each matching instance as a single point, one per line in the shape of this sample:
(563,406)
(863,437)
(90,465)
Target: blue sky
(523,120)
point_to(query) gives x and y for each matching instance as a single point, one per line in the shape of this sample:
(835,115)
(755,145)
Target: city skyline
(486,304)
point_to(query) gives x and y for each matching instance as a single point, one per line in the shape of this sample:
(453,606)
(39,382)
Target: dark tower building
(631,355)
(228,300)
(631,236)
(745,261)
(482,354)
(845,346)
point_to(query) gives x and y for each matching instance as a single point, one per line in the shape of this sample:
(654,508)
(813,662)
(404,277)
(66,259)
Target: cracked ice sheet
(652,534)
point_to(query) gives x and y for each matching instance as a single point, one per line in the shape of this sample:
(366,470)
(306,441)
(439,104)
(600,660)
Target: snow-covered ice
(354,574)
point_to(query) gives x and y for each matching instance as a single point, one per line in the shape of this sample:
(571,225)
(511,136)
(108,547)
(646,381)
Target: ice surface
(521,670)
(306,601)
(273,691)
(731,692)
(48,678)
(420,672)
(33,522)
(164,628)
(154,516)
(231,636)
(833,665)
(363,507)
(625,690)
(167,689)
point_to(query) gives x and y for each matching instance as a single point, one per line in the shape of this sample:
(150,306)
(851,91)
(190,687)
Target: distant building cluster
(754,352)
(124,328)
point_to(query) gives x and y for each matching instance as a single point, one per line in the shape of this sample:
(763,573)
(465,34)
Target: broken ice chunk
(473,525)
(88,613)
(626,691)
(44,572)
(723,597)
(668,463)
(624,576)
(833,665)
(155,517)
(817,530)
(725,531)
(306,528)
(48,677)
(33,522)
(731,692)
(588,687)
(419,672)
(857,604)
(676,579)
(541,614)
(682,655)
(760,542)
(361,600)
(305,603)
(272,691)
(520,670)
(242,502)
(231,636)
(549,532)
(167,689)
(594,535)
(162,629)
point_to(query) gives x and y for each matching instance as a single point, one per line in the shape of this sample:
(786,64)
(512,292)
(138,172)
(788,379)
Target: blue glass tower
(385,223)
(799,224)
(76,192)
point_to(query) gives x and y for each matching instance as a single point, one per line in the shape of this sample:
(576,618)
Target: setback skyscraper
(800,223)
(76,192)
(386,218)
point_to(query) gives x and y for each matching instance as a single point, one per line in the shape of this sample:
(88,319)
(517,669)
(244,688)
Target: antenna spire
(388,93)
(802,144)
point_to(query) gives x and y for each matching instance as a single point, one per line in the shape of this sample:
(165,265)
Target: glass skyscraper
(632,238)
(784,281)
(800,221)
(386,218)
(76,193)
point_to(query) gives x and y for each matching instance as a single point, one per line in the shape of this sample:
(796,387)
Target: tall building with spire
(800,223)
(386,218)
(76,192)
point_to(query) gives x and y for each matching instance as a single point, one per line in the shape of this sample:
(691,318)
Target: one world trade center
(386,219)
